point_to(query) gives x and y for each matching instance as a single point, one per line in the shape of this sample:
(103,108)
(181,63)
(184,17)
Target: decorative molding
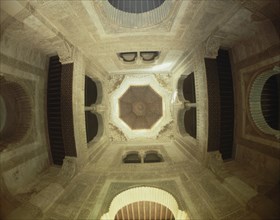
(167,131)
(114,82)
(69,167)
(215,164)
(212,46)
(164,80)
(65,51)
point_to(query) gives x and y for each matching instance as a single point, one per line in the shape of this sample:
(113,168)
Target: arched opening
(149,56)
(270,101)
(187,114)
(15,112)
(189,88)
(93,91)
(264,101)
(93,120)
(190,122)
(132,157)
(91,125)
(152,157)
(145,196)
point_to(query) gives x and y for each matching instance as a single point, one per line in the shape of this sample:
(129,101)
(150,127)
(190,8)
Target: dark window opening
(189,88)
(90,91)
(54,111)
(226,104)
(190,122)
(270,101)
(91,125)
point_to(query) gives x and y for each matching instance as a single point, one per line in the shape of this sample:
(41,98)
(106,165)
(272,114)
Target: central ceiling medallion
(140,107)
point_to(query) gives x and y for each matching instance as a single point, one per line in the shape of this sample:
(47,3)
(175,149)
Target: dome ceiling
(140,107)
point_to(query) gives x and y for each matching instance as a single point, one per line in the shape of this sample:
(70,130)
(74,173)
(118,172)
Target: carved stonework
(188,105)
(215,164)
(65,52)
(114,82)
(116,134)
(69,167)
(167,131)
(164,80)
(212,46)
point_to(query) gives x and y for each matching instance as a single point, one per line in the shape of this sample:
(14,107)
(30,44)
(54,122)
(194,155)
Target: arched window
(152,157)
(93,91)
(264,101)
(187,115)
(93,119)
(132,157)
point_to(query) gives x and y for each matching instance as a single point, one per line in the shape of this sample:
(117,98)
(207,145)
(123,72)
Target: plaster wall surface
(23,161)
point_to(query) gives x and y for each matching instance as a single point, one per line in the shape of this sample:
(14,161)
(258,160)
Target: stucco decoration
(65,51)
(167,131)
(116,134)
(114,82)
(164,80)
(213,44)
(140,80)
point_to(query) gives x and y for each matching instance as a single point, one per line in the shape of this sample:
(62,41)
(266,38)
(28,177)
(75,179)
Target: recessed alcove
(152,157)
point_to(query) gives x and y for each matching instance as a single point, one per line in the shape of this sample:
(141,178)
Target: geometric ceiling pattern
(140,107)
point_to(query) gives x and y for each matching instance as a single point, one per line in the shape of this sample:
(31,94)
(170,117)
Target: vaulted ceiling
(93,27)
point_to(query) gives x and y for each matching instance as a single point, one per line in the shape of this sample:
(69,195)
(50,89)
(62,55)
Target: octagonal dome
(140,107)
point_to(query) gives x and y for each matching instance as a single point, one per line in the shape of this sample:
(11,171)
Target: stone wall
(250,58)
(23,160)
